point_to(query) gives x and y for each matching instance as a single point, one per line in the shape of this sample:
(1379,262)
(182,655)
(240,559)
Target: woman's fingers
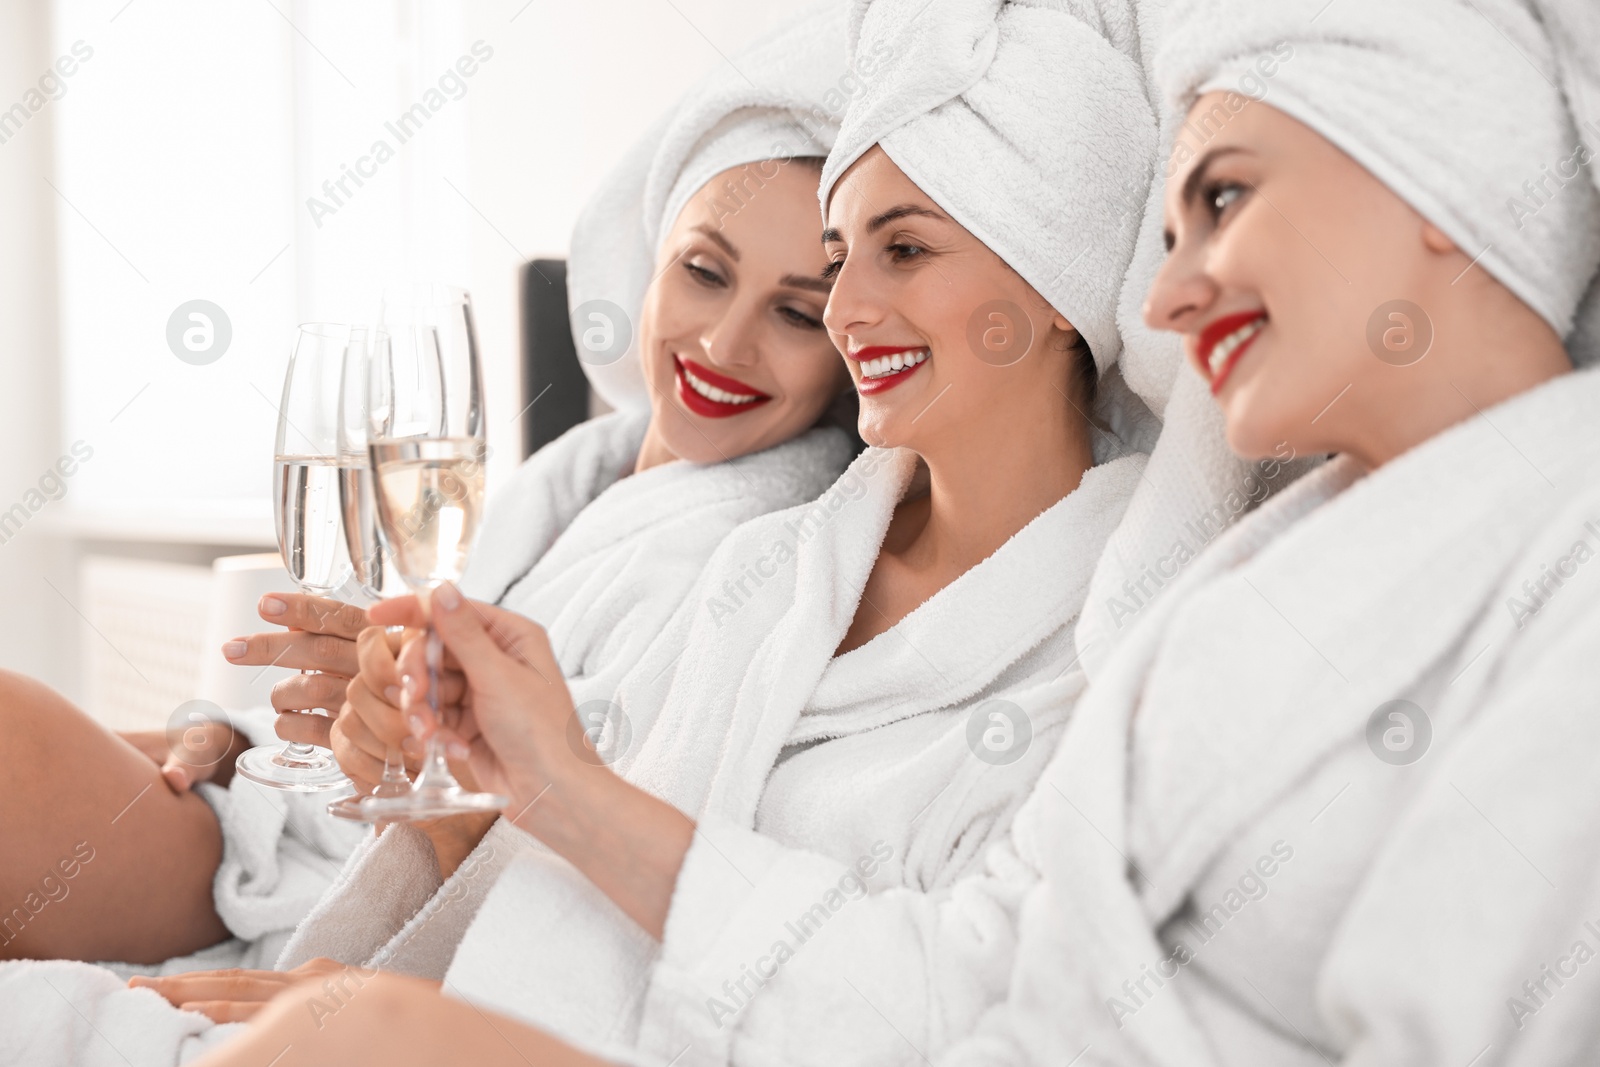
(303,728)
(294,648)
(314,614)
(399,611)
(303,692)
(229,985)
(200,754)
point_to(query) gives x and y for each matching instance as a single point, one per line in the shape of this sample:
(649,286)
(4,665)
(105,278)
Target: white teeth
(711,392)
(885,365)
(1226,347)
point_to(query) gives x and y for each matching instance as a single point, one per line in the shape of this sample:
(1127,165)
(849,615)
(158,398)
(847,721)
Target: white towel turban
(1028,122)
(1455,105)
(779,98)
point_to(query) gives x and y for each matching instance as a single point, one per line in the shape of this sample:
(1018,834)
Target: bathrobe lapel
(996,615)
(759,672)
(1344,612)
(1220,756)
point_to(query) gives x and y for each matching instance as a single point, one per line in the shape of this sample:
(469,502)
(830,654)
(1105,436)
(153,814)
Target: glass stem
(394,782)
(299,750)
(435,772)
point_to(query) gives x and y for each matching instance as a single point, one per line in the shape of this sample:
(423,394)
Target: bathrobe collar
(1338,614)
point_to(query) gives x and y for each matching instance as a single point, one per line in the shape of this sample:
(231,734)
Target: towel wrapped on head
(1455,105)
(776,99)
(1028,122)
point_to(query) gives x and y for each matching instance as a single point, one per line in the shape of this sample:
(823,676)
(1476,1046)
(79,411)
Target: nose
(732,339)
(1181,293)
(856,303)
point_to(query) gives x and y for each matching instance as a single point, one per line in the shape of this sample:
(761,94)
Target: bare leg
(102,861)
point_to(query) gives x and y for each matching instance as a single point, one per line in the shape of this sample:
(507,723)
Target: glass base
(349,808)
(277,767)
(428,802)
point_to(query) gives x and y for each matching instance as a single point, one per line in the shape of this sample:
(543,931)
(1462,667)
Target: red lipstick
(883,383)
(1215,334)
(712,407)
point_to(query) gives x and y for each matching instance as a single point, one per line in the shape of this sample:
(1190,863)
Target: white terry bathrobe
(608,562)
(1343,812)
(1332,800)
(601,560)
(825,784)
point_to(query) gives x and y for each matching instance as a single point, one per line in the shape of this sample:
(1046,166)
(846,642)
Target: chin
(1252,435)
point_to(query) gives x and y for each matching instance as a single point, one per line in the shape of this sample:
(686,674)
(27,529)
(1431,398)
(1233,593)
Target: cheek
(809,375)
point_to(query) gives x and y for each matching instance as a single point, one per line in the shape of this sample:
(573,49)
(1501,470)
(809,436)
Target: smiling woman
(901,661)
(731,333)
(1348,659)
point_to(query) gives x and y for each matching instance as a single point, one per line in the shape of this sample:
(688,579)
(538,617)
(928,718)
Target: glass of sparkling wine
(358,504)
(305,495)
(426,445)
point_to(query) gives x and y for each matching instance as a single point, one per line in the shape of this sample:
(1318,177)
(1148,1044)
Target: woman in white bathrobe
(836,698)
(1333,799)
(599,535)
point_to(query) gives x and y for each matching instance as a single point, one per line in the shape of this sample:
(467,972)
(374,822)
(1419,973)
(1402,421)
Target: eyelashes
(1221,195)
(708,278)
(899,252)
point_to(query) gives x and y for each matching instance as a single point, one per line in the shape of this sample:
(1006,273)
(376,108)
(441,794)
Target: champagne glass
(363,538)
(305,498)
(427,448)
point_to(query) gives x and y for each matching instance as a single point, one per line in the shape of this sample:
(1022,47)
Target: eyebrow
(801,281)
(717,239)
(878,222)
(1197,176)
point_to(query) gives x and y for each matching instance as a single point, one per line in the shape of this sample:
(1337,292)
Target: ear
(1436,241)
(1059,321)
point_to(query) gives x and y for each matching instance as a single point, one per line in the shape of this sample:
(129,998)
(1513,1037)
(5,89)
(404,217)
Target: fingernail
(178,778)
(271,605)
(391,693)
(408,690)
(458,749)
(417,724)
(448,597)
(234,649)
(410,746)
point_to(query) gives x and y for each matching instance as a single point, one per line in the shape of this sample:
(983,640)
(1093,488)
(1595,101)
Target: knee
(31,714)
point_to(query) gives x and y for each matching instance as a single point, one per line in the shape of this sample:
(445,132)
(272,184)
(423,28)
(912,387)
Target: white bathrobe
(866,772)
(1246,854)
(602,562)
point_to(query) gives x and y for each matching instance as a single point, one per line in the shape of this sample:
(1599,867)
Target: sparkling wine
(305,491)
(430,498)
(359,504)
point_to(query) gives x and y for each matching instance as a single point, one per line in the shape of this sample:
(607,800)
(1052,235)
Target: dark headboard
(555,392)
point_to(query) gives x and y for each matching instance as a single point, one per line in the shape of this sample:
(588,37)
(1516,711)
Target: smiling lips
(885,366)
(1224,342)
(716,396)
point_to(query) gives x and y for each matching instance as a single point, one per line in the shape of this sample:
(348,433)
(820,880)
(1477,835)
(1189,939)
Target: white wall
(36,625)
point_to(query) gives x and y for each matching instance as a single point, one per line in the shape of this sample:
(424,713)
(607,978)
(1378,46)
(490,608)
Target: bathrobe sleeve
(389,908)
(773,954)
(1478,931)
